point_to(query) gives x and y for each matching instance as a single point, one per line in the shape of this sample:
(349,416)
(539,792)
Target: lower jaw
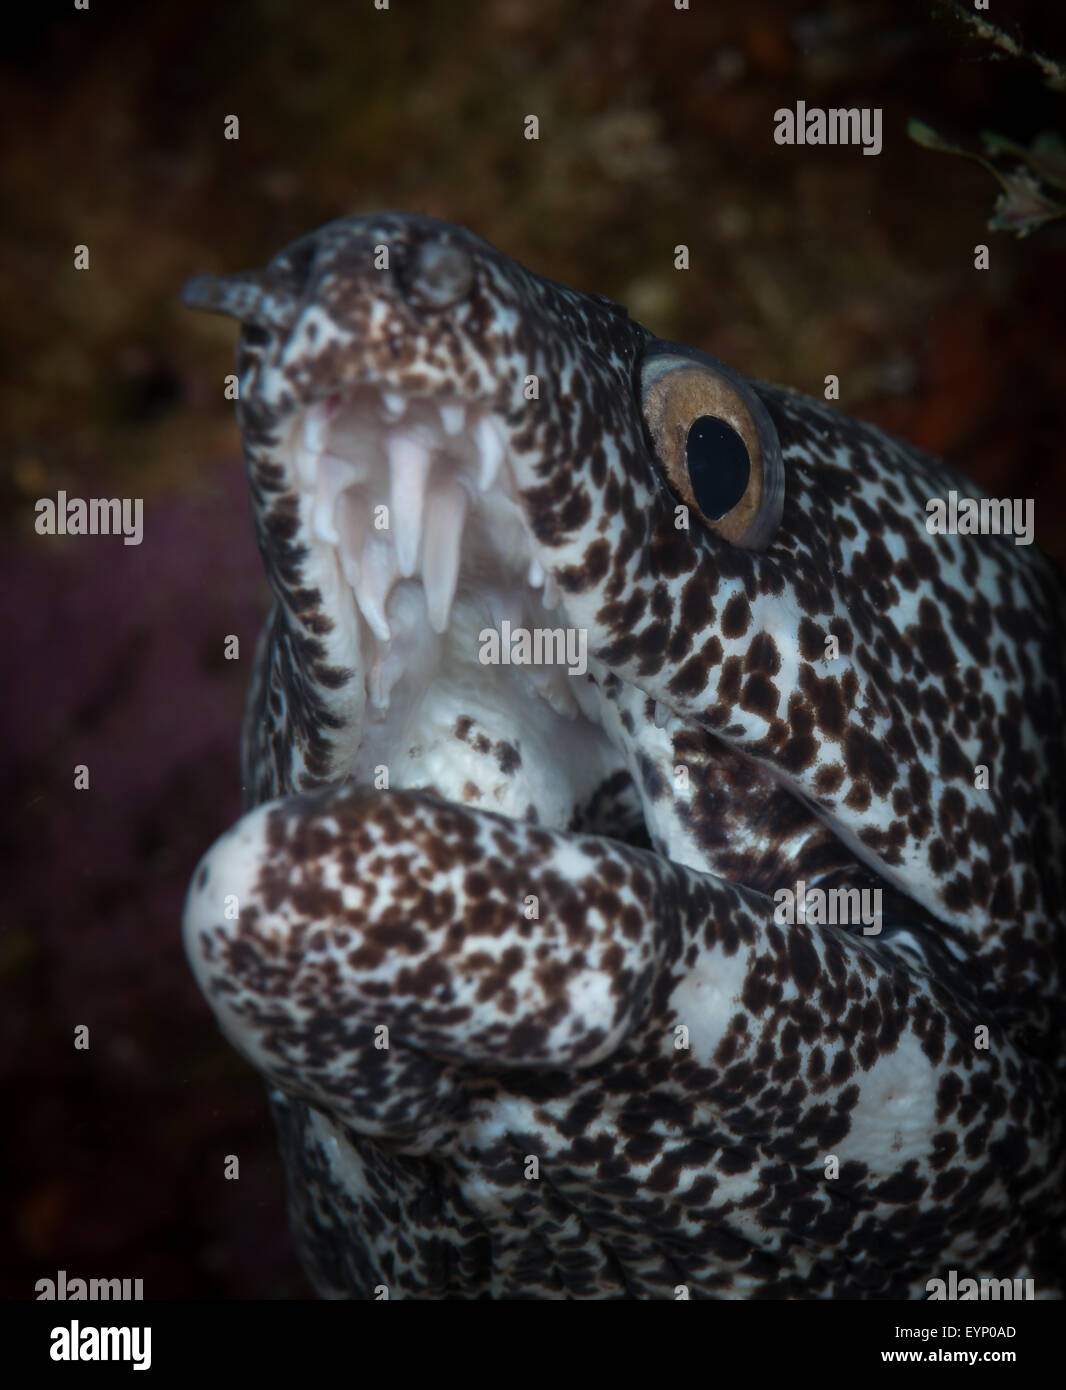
(523,977)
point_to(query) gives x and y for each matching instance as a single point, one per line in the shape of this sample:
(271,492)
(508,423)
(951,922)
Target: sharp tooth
(382,678)
(535,577)
(440,551)
(662,715)
(375,573)
(550,684)
(306,465)
(335,476)
(509,608)
(411,654)
(349,567)
(490,446)
(304,457)
(409,464)
(352,471)
(316,427)
(353,522)
(323,524)
(562,702)
(395,402)
(452,417)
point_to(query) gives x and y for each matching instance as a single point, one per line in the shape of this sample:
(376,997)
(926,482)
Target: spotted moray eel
(503,940)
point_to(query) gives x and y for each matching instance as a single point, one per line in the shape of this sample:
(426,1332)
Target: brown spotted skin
(609,1072)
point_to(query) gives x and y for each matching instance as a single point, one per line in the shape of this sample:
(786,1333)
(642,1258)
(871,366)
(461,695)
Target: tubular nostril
(255,297)
(438,274)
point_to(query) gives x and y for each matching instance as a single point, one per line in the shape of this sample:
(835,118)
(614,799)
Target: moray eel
(505,939)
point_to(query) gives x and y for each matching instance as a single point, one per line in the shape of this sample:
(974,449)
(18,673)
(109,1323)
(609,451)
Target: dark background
(656,128)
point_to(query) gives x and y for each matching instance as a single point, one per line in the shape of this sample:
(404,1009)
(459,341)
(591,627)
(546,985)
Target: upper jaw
(403,486)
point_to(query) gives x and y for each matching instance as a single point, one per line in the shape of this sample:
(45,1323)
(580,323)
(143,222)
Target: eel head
(588,657)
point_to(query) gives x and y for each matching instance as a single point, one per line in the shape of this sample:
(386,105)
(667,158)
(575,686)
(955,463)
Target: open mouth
(413,499)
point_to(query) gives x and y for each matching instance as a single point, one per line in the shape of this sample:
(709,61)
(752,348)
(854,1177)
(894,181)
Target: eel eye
(437,275)
(716,443)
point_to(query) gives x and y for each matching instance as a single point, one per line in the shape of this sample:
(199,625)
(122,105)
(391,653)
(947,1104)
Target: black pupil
(718,466)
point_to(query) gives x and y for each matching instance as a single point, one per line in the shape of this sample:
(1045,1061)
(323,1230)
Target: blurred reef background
(656,128)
